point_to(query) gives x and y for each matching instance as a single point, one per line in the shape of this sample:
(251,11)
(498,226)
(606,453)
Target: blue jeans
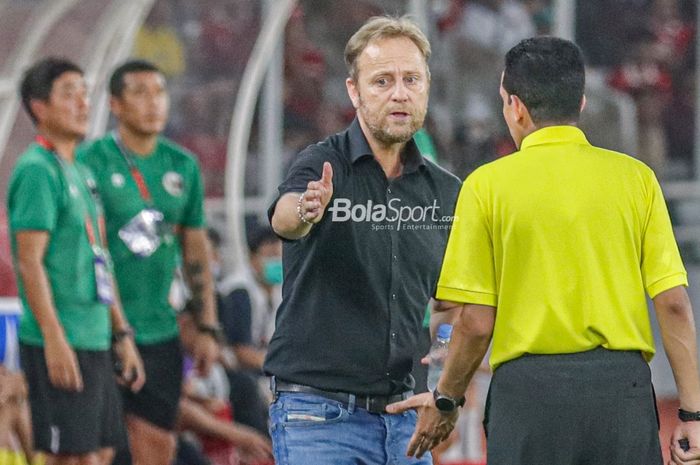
(309,429)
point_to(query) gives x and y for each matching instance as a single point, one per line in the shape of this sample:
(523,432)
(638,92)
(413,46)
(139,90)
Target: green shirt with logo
(173,180)
(47,195)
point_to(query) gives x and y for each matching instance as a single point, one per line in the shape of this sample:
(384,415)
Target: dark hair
(116,82)
(548,75)
(38,80)
(214,237)
(260,236)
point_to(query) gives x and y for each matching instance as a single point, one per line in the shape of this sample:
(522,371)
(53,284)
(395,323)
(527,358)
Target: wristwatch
(446,404)
(121,334)
(215,331)
(685,415)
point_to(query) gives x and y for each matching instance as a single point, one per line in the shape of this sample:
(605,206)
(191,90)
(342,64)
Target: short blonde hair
(383,27)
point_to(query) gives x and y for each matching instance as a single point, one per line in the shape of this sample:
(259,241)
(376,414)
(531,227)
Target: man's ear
(353,93)
(39,108)
(519,108)
(114,105)
(521,113)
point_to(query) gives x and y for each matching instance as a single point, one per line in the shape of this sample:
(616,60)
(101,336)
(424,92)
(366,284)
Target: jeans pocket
(300,412)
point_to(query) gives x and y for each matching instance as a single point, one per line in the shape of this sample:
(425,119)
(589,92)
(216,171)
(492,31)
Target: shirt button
(388,190)
(393,296)
(388,374)
(395,258)
(393,336)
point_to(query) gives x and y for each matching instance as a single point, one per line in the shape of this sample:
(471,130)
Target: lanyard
(89,227)
(90,230)
(133,169)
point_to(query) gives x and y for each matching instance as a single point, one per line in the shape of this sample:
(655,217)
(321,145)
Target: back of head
(384,27)
(259,236)
(38,80)
(116,82)
(548,76)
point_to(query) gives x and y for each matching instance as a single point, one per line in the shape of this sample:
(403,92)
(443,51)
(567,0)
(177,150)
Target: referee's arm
(675,315)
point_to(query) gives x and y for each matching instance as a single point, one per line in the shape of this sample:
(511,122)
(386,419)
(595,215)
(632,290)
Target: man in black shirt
(366,220)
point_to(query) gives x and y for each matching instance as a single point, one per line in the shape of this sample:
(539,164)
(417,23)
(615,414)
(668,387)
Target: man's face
(143,105)
(66,111)
(391,92)
(267,253)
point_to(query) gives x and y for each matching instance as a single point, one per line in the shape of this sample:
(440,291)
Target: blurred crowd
(648,55)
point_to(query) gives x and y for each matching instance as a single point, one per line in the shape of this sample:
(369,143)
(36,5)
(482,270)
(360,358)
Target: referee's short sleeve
(468,274)
(662,267)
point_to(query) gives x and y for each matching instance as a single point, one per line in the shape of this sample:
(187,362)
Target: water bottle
(438,354)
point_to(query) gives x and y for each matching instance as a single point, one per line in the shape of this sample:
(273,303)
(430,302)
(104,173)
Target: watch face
(445,404)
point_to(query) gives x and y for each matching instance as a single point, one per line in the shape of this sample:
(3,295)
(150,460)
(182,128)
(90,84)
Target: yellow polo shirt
(563,238)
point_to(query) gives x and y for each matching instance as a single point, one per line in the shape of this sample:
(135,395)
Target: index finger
(76,378)
(139,381)
(68,377)
(401,406)
(691,456)
(414,444)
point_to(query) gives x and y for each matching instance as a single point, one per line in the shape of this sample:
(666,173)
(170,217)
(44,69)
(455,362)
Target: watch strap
(685,415)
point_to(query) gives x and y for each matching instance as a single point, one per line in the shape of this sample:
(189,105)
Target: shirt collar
(359,148)
(554,135)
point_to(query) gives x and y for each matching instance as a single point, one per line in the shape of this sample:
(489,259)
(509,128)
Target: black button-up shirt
(356,287)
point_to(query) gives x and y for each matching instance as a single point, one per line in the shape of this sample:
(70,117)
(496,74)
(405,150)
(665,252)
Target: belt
(373,404)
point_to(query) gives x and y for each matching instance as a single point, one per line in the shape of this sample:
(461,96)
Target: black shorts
(157,402)
(74,422)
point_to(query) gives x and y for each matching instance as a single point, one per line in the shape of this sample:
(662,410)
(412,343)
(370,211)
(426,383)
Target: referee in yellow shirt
(552,254)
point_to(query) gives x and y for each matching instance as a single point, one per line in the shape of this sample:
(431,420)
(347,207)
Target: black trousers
(590,408)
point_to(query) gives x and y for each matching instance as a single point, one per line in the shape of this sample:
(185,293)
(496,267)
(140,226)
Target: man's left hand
(689,431)
(432,427)
(205,352)
(132,373)
(13,387)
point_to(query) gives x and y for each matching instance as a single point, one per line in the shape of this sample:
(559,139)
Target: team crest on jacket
(172,183)
(117,180)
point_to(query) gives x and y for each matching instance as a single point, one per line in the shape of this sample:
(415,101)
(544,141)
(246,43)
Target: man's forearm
(119,322)
(677,324)
(286,221)
(196,256)
(196,418)
(39,297)
(116,314)
(249,357)
(443,312)
(470,340)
